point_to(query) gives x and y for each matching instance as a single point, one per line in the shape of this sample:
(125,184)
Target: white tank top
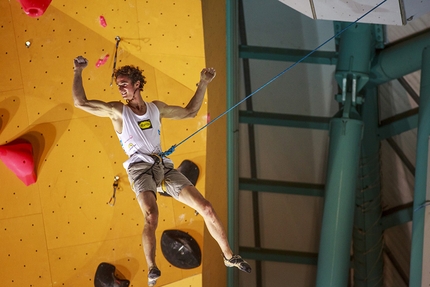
(140,135)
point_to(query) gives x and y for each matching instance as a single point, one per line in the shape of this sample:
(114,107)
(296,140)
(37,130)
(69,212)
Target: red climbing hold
(102,61)
(34,8)
(102,21)
(18,157)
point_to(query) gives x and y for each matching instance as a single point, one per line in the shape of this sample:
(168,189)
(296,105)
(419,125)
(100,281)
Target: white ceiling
(387,12)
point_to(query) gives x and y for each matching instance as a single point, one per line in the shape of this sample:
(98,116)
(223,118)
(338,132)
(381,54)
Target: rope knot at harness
(168,152)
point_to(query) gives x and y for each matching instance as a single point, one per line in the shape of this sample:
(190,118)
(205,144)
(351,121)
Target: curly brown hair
(134,73)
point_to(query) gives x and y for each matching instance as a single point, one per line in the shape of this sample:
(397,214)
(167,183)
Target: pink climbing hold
(103,21)
(34,8)
(18,157)
(102,61)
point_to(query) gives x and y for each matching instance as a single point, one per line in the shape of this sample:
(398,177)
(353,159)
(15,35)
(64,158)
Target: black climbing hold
(180,249)
(190,170)
(106,277)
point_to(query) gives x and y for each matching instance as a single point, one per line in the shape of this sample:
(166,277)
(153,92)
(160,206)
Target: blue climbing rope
(173,147)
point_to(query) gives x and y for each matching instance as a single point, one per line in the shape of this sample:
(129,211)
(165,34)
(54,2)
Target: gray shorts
(156,177)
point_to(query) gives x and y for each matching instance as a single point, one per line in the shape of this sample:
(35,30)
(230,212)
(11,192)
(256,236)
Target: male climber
(137,125)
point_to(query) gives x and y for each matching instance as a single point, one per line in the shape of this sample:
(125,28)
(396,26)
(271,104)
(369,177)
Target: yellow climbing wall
(55,232)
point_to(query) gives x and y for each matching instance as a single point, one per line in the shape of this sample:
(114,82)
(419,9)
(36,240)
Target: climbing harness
(157,160)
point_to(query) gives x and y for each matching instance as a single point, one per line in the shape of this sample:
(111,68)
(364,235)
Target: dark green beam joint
(398,124)
(284,120)
(399,59)
(283,187)
(263,254)
(287,55)
(396,216)
(356,49)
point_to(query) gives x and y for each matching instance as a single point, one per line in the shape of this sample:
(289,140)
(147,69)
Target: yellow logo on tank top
(144,125)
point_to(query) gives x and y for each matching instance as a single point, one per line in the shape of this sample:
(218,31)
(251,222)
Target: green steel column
(421,192)
(232,135)
(356,46)
(367,232)
(341,183)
